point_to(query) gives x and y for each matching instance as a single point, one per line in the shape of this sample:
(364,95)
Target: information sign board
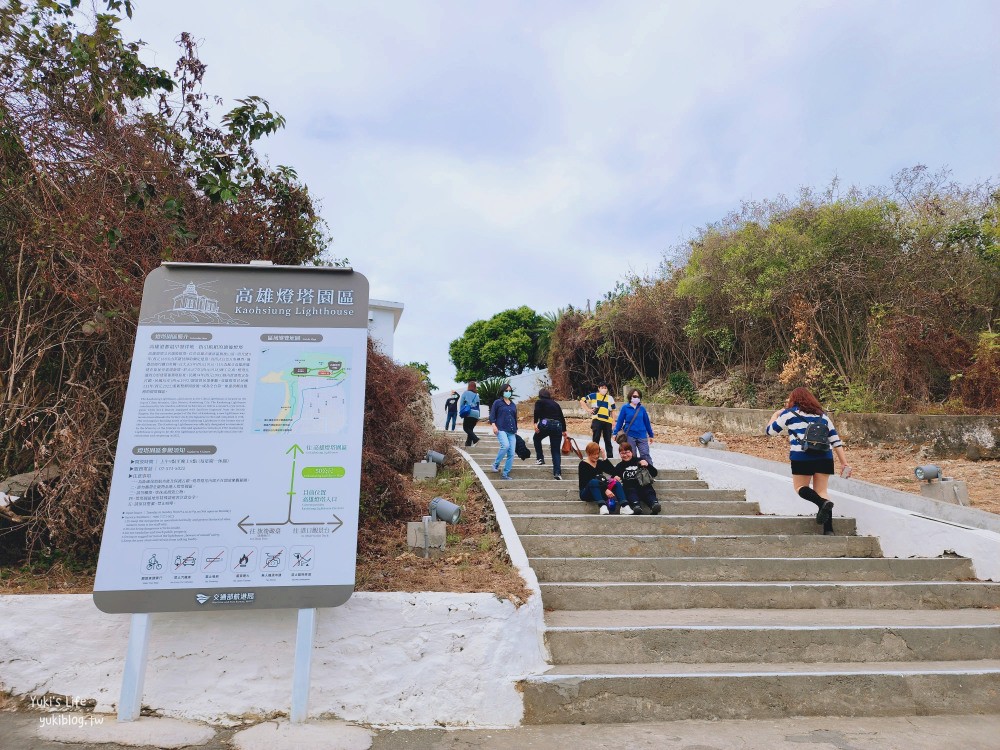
(237,473)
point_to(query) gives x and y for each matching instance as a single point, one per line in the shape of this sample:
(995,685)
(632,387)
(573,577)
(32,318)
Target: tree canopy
(108,167)
(879,299)
(507,344)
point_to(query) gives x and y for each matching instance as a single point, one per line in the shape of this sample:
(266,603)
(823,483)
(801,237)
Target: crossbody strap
(634,417)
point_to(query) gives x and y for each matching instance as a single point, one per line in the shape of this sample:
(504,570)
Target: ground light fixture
(435,458)
(707,438)
(928,472)
(444,510)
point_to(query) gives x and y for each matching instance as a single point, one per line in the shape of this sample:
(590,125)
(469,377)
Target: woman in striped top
(809,466)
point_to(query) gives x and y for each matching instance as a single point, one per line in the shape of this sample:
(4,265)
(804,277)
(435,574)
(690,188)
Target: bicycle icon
(153,564)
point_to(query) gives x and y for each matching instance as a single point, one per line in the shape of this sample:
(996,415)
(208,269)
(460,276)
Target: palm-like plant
(490,389)
(547,323)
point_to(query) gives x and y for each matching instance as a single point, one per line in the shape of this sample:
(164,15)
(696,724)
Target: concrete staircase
(713,611)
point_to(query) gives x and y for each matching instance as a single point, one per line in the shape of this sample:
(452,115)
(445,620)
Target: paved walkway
(18,731)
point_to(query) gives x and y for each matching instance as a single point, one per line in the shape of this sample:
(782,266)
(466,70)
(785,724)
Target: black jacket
(627,470)
(588,472)
(547,408)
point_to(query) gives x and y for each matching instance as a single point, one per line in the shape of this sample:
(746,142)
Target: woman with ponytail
(812,440)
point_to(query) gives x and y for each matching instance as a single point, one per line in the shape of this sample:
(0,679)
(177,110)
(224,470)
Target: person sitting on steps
(596,488)
(628,471)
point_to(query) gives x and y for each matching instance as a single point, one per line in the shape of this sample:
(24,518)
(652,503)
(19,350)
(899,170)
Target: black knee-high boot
(825,514)
(808,493)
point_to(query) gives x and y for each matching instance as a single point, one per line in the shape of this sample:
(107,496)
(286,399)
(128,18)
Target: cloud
(472,157)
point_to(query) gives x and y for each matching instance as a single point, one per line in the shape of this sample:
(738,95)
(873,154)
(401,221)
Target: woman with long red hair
(812,442)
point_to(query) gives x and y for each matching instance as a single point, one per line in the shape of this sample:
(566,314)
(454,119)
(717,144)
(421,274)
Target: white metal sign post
(237,474)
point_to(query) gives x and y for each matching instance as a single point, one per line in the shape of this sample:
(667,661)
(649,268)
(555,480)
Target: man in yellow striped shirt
(601,406)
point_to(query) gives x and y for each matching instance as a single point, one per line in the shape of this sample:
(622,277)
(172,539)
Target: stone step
(530,470)
(665,569)
(773,595)
(664,524)
(662,545)
(608,693)
(670,507)
(546,482)
(700,635)
(571,489)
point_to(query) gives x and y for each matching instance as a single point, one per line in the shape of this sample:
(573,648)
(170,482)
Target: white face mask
(635,401)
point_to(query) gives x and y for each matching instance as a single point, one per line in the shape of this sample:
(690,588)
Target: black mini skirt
(810,466)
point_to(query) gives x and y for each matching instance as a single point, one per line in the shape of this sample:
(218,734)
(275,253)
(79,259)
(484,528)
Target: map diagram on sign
(302,394)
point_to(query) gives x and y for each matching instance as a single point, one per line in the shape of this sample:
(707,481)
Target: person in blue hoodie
(503,418)
(635,420)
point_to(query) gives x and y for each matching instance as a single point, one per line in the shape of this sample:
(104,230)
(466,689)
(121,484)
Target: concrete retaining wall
(390,659)
(947,436)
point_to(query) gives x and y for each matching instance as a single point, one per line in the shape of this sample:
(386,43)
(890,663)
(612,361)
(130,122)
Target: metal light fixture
(444,510)
(707,438)
(435,458)
(928,472)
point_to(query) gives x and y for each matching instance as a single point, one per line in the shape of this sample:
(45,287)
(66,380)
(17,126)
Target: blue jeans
(507,444)
(593,493)
(638,494)
(450,420)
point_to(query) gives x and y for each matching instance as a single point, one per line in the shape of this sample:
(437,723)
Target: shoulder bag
(569,446)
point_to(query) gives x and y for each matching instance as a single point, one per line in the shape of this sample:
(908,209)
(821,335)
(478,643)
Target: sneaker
(825,513)
(627,511)
(655,509)
(557,477)
(495,468)
(604,510)
(539,462)
(506,477)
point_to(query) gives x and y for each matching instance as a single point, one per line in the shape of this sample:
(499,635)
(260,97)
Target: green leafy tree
(507,344)
(424,371)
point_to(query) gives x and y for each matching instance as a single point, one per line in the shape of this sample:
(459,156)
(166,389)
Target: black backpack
(817,436)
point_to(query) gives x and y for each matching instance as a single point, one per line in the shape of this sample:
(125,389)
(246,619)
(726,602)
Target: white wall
(381,327)
(392,659)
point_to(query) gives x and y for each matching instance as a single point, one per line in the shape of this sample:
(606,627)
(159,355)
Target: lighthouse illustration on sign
(190,300)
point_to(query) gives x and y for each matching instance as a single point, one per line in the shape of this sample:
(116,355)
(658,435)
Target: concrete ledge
(393,659)
(906,525)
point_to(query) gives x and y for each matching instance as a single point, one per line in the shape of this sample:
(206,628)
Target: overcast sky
(474,156)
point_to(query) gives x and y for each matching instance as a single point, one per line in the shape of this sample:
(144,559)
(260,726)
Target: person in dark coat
(549,423)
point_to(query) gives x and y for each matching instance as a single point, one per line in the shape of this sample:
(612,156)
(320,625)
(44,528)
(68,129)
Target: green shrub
(680,383)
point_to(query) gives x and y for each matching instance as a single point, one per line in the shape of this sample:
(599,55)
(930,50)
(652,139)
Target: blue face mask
(508,394)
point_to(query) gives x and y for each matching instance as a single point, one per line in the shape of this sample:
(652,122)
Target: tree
(504,345)
(107,168)
(547,323)
(424,371)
